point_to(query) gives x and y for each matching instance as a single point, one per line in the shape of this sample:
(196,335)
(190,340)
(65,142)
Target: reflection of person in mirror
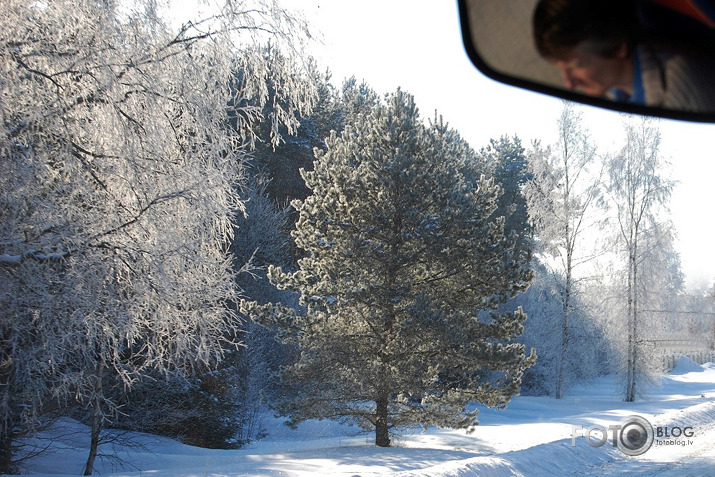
(601,49)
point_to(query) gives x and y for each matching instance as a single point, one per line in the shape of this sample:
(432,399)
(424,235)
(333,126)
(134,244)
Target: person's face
(594,74)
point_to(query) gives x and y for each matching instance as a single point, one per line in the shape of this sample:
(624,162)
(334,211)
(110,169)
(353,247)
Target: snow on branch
(7,260)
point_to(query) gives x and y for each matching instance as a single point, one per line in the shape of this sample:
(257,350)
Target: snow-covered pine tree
(405,264)
(506,159)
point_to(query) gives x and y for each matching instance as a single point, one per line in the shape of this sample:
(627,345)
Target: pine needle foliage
(405,267)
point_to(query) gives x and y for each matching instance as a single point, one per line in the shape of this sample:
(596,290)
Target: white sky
(417,45)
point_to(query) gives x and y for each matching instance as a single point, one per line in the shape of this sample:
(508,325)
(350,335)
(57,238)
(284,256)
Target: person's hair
(559,25)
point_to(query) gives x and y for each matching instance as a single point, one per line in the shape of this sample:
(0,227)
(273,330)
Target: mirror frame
(469,42)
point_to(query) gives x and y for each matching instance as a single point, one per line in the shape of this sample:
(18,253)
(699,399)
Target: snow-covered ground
(533,437)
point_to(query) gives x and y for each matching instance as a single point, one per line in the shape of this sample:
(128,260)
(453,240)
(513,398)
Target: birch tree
(405,267)
(561,193)
(118,188)
(639,192)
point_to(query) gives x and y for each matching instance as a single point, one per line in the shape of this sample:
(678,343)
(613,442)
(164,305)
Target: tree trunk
(6,464)
(633,332)
(564,334)
(7,424)
(570,236)
(631,371)
(382,430)
(96,421)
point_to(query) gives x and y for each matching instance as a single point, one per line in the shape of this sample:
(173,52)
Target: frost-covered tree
(591,353)
(356,99)
(118,186)
(263,238)
(221,407)
(639,192)
(405,266)
(506,159)
(280,163)
(661,290)
(561,193)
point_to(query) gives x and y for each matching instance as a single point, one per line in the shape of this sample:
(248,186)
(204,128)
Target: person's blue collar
(638,96)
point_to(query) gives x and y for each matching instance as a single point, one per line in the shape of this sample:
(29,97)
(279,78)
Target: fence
(700,357)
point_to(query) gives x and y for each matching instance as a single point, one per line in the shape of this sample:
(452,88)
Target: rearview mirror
(650,57)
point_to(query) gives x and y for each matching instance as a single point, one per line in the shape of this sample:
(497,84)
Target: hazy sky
(417,45)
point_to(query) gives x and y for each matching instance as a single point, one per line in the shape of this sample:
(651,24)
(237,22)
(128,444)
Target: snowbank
(532,437)
(686,365)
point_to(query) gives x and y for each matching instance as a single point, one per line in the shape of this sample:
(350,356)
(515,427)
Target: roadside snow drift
(534,436)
